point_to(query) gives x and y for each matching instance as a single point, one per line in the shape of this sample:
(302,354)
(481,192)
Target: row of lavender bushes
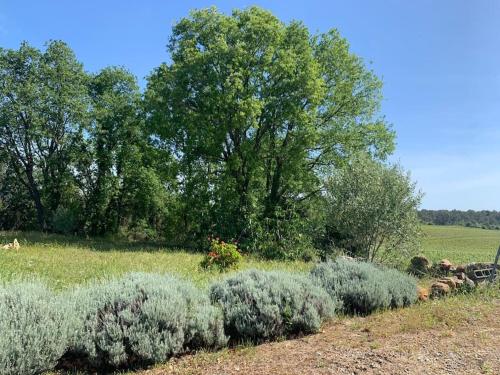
(142,319)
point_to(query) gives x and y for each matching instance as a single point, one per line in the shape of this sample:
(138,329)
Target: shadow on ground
(107,243)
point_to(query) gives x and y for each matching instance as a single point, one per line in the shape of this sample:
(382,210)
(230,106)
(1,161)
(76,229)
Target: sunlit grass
(460,244)
(65,261)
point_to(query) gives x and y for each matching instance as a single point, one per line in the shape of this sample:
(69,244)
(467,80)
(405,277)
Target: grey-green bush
(33,333)
(141,319)
(363,287)
(402,287)
(260,305)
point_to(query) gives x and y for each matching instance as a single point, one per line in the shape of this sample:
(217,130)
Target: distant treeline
(470,218)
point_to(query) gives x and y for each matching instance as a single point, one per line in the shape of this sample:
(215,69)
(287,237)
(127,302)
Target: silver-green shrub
(141,319)
(262,305)
(363,287)
(356,284)
(402,287)
(33,333)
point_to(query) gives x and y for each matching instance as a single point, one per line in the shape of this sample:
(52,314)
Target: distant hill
(470,218)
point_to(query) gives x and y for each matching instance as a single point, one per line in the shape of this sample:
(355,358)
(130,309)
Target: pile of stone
(13,245)
(449,278)
(445,285)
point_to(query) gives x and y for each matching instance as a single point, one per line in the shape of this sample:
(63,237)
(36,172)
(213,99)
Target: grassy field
(65,261)
(460,244)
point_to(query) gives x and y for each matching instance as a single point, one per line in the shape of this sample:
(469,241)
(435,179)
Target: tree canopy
(257,112)
(371,211)
(236,136)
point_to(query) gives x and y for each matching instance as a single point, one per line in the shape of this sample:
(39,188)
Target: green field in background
(460,244)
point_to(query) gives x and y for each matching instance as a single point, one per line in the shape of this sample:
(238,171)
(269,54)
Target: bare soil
(410,341)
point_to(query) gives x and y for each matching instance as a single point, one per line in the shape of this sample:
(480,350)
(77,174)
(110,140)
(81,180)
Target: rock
(459,283)
(460,275)
(419,266)
(423,294)
(468,283)
(442,268)
(450,281)
(14,245)
(445,265)
(439,290)
(460,269)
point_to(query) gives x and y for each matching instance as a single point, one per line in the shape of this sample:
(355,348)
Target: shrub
(221,256)
(33,335)
(362,287)
(371,212)
(142,319)
(356,284)
(65,220)
(402,287)
(261,305)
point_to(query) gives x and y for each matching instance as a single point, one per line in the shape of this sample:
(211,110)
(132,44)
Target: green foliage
(372,212)
(33,329)
(65,220)
(141,319)
(362,287)
(42,117)
(261,305)
(484,219)
(74,145)
(234,136)
(402,287)
(257,112)
(284,237)
(221,256)
(16,206)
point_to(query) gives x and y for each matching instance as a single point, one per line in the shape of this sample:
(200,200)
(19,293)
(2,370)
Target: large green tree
(115,134)
(116,168)
(258,112)
(43,107)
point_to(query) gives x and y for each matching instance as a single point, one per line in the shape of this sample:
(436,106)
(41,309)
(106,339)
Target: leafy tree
(372,211)
(479,219)
(114,133)
(116,175)
(42,112)
(257,112)
(16,206)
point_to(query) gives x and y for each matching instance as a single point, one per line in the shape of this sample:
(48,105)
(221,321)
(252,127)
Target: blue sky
(440,62)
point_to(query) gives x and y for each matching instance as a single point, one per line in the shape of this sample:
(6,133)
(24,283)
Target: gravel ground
(363,346)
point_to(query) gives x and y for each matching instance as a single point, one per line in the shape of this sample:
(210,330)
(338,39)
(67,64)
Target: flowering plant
(221,255)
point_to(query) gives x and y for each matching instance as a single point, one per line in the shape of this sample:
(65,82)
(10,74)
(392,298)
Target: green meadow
(66,261)
(460,244)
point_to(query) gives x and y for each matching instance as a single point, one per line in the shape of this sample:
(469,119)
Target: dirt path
(404,342)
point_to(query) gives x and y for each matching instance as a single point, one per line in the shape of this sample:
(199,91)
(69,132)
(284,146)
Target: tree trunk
(35,195)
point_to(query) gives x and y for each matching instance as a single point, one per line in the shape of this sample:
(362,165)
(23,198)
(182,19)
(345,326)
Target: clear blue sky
(440,61)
